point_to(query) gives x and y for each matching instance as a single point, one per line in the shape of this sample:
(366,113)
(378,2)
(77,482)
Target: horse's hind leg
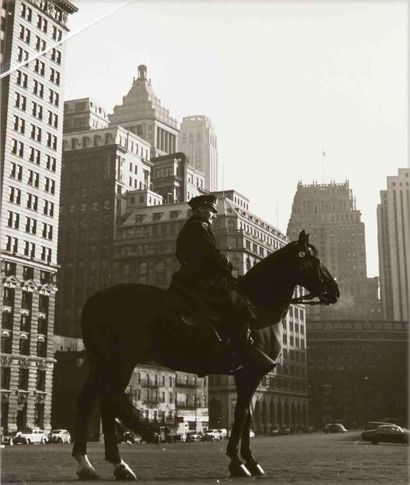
(85,404)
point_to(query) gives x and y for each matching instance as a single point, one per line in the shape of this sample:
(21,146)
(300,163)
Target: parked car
(8,439)
(174,437)
(374,424)
(386,433)
(213,435)
(193,437)
(334,428)
(59,436)
(131,437)
(30,437)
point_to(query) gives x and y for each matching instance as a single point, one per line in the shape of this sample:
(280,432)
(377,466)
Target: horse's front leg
(247,381)
(251,464)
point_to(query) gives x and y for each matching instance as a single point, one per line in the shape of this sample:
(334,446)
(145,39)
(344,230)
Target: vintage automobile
(386,433)
(59,436)
(334,428)
(31,436)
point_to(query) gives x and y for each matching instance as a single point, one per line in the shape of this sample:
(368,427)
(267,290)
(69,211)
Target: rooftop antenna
(323,166)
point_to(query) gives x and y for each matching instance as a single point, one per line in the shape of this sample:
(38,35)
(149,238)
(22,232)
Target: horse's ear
(303,238)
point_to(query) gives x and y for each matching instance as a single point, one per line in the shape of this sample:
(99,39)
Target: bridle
(306,300)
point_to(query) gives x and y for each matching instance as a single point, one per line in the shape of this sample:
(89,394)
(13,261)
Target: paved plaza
(308,459)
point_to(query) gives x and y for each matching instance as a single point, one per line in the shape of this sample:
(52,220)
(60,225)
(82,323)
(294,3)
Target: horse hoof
(255,469)
(239,470)
(124,473)
(87,474)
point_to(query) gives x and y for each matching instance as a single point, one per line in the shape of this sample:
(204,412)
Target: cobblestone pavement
(308,459)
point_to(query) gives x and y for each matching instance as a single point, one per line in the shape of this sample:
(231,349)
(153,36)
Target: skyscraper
(31,140)
(198,142)
(393,220)
(141,113)
(328,212)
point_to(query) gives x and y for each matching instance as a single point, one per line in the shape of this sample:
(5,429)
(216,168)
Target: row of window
(25,323)
(26,13)
(37,112)
(13,245)
(33,178)
(24,345)
(23,379)
(13,221)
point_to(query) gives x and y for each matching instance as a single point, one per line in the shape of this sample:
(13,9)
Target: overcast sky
(283,82)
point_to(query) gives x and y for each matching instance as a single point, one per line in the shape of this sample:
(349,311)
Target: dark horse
(129,324)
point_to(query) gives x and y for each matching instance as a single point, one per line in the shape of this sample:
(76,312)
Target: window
(22,79)
(42,23)
(39,67)
(51,141)
(26,12)
(31,225)
(56,56)
(23,378)
(40,43)
(54,76)
(22,55)
(38,88)
(48,208)
(32,202)
(33,178)
(24,350)
(24,34)
(53,97)
(20,102)
(51,163)
(37,110)
(47,231)
(14,195)
(35,133)
(57,34)
(12,244)
(53,119)
(13,220)
(16,171)
(49,185)
(34,156)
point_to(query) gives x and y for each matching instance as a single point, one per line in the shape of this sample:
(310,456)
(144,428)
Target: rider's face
(206,214)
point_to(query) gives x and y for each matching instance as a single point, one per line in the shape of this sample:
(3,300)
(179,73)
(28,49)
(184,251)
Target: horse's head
(311,273)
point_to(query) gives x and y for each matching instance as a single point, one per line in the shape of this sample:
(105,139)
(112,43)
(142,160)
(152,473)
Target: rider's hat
(204,201)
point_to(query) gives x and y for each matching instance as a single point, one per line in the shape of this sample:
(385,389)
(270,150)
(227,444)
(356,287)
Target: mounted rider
(204,286)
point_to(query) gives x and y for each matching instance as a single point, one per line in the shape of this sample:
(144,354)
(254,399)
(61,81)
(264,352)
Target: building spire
(142,71)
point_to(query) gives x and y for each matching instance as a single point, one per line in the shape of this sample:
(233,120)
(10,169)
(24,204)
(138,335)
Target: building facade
(357,371)
(199,142)
(84,114)
(99,166)
(33,55)
(142,113)
(393,221)
(145,253)
(175,179)
(328,213)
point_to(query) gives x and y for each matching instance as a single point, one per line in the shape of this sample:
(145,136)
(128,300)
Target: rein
(305,300)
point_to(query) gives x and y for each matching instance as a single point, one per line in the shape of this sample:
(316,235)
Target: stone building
(33,59)
(393,221)
(144,252)
(198,141)
(84,114)
(357,371)
(99,166)
(328,212)
(142,113)
(175,179)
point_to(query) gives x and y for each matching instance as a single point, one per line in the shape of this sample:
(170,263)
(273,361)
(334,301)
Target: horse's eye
(301,254)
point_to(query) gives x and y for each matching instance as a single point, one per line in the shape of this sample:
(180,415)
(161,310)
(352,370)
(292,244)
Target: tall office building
(328,212)
(99,166)
(141,113)
(31,141)
(393,220)
(198,141)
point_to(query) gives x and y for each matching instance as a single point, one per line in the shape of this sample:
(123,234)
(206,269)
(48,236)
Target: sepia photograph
(204,244)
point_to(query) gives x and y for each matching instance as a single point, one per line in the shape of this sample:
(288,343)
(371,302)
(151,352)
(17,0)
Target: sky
(297,91)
